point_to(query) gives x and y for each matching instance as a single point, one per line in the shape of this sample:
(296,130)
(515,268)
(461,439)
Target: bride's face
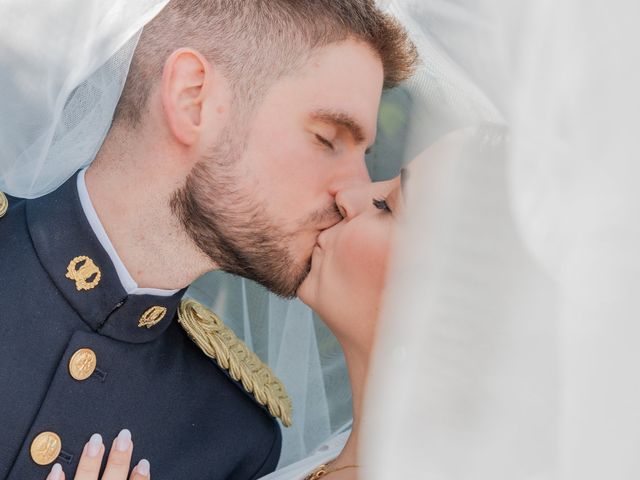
(349,263)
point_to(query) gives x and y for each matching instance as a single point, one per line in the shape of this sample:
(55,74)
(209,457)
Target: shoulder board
(218,342)
(4,204)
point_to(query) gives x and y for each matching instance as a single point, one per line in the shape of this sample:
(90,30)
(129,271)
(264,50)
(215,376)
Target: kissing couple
(237,144)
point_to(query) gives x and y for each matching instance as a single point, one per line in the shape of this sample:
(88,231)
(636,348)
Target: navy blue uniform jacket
(185,414)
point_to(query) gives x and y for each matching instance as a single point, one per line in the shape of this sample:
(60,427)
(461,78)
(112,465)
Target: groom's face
(258,203)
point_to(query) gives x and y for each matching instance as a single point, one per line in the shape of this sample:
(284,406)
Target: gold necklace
(323,471)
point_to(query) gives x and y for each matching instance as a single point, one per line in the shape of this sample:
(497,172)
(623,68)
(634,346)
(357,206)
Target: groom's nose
(351,174)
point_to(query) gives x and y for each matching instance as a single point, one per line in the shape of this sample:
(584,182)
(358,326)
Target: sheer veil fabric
(509,344)
(62,69)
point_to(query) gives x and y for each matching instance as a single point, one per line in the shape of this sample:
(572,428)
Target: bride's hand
(117,465)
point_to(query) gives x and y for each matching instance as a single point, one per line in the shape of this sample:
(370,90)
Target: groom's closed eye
(343,123)
(325,142)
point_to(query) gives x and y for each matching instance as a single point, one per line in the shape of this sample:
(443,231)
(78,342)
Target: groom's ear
(183,91)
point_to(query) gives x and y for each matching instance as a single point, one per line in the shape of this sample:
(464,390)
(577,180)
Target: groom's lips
(327,219)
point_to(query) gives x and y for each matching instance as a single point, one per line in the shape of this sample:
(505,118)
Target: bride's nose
(353,201)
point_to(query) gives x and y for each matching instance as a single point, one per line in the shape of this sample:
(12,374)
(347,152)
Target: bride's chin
(306,288)
(303,291)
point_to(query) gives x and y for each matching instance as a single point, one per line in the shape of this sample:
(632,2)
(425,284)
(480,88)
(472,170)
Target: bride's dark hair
(255,42)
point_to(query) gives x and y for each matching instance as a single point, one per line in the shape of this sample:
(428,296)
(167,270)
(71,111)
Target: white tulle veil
(509,344)
(62,69)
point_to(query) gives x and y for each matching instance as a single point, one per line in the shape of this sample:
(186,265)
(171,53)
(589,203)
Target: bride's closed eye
(381,204)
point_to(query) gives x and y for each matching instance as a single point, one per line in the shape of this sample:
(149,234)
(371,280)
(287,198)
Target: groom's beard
(232,229)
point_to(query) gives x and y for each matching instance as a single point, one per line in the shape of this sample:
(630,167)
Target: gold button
(4,204)
(45,448)
(152,316)
(82,364)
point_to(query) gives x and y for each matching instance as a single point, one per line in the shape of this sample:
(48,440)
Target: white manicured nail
(56,472)
(123,442)
(94,445)
(144,468)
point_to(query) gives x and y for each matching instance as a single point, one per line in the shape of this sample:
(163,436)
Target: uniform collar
(84,273)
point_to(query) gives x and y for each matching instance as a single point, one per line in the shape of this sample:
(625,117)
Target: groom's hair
(256,42)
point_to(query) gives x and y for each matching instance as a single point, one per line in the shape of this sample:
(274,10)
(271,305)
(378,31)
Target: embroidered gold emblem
(218,341)
(4,204)
(45,448)
(152,316)
(82,364)
(84,272)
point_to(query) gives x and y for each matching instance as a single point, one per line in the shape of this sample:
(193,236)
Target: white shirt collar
(128,283)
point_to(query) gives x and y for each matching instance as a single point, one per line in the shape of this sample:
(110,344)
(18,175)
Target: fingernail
(123,441)
(94,445)
(144,468)
(56,472)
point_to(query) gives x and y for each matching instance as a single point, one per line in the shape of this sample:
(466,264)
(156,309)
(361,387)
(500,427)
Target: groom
(238,124)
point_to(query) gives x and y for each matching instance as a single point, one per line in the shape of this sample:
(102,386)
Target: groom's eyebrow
(341,120)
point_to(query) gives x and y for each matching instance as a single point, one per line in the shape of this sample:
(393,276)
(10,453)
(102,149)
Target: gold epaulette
(4,204)
(219,342)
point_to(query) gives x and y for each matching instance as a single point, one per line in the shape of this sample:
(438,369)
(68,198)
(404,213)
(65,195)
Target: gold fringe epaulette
(219,342)
(4,204)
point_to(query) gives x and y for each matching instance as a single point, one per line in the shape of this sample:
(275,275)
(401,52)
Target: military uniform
(79,355)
